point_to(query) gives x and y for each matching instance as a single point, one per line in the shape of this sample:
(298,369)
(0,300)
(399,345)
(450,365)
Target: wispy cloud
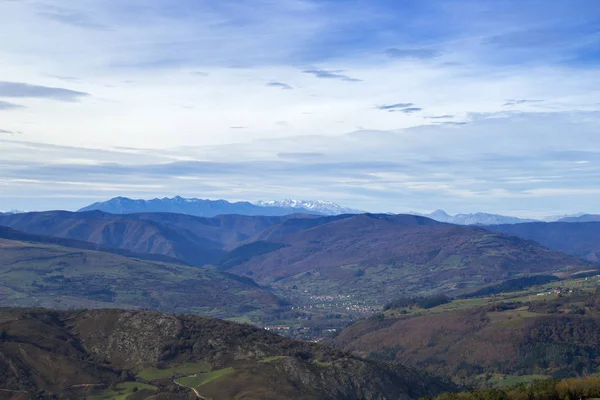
(407,110)
(331,74)
(386,107)
(422,53)
(446,116)
(300,156)
(515,102)
(238,127)
(70,17)
(23,90)
(9,106)
(279,85)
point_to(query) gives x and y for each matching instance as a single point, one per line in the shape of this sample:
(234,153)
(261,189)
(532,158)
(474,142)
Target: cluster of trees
(419,301)
(566,389)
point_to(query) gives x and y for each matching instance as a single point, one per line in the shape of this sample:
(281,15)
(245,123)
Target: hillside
(106,354)
(11,234)
(193,240)
(49,275)
(577,238)
(380,256)
(505,338)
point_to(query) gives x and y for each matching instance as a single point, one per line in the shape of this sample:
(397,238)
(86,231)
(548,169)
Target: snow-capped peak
(320,206)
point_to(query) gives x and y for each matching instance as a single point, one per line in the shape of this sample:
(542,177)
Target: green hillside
(47,275)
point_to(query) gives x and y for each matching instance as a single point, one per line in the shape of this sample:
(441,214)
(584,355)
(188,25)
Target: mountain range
(474,219)
(211,208)
(369,256)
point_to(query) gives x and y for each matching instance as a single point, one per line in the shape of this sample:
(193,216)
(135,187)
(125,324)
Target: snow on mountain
(8,212)
(319,206)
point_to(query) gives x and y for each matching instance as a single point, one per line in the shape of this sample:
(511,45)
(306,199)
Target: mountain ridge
(180,205)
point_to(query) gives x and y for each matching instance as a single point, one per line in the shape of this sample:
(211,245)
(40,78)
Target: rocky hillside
(106,354)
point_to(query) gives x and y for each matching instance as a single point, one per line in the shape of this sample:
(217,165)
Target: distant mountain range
(581,218)
(211,208)
(474,219)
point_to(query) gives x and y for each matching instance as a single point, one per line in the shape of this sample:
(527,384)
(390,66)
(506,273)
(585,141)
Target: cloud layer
(497,163)
(473,106)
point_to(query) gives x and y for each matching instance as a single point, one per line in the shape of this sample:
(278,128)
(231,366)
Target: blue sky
(381,105)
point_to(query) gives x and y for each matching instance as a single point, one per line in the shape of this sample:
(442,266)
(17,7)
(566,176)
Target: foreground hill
(510,337)
(577,238)
(107,354)
(49,275)
(367,256)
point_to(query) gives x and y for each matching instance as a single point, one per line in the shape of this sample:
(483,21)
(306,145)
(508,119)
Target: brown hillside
(105,353)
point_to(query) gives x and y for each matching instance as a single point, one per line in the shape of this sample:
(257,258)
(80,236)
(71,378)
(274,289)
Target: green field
(506,381)
(122,391)
(197,380)
(150,374)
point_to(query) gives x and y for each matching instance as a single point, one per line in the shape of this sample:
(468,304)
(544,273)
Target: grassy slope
(43,275)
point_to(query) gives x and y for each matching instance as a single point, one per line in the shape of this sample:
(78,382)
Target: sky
(380,105)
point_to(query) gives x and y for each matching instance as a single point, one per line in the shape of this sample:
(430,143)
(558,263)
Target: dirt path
(194,389)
